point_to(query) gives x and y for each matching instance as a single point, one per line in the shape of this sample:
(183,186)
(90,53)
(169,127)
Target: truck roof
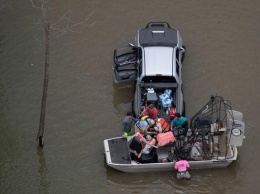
(159,60)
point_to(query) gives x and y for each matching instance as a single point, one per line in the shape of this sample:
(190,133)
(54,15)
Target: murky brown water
(84,106)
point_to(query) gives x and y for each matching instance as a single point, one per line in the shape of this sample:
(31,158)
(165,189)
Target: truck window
(177,54)
(140,68)
(158,79)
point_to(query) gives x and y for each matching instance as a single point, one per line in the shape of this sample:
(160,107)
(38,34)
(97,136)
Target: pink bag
(165,138)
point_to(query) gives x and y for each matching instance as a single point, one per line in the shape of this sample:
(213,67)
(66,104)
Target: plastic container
(163,97)
(166,103)
(151,97)
(168,92)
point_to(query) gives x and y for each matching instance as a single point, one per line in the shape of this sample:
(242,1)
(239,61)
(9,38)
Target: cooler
(152,98)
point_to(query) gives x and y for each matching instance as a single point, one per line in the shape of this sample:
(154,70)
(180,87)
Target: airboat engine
(236,133)
(196,152)
(237,129)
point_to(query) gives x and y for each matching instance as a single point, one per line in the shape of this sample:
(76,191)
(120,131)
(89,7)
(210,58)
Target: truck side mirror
(182,49)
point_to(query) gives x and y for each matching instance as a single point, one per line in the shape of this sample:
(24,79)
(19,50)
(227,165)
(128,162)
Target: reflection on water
(44,183)
(202,181)
(137,182)
(123,93)
(1,39)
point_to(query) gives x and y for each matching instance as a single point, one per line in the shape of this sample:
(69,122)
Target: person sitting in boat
(136,144)
(179,121)
(149,145)
(161,125)
(144,125)
(150,111)
(182,167)
(127,124)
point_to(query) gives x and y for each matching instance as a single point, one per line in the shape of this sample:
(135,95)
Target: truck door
(125,64)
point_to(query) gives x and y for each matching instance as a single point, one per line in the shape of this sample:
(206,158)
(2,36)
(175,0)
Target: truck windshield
(158,79)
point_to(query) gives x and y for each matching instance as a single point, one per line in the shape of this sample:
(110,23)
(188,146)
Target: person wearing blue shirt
(143,126)
(179,121)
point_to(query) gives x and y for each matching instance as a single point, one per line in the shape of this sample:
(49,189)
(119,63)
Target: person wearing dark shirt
(179,121)
(127,124)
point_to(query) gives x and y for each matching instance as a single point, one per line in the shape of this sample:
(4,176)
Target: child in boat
(150,143)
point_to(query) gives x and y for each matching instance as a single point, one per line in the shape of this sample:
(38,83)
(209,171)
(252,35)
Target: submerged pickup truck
(154,63)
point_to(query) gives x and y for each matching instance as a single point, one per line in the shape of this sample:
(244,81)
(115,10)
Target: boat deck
(119,151)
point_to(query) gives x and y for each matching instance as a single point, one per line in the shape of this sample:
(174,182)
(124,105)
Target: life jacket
(172,113)
(164,124)
(145,118)
(165,138)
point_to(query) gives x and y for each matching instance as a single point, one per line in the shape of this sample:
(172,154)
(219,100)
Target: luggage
(165,138)
(166,98)
(135,145)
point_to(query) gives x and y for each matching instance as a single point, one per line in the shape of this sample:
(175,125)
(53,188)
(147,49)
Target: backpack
(172,113)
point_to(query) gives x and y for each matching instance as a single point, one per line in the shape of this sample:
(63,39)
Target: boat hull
(133,166)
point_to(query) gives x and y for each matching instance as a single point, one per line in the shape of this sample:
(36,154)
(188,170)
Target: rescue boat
(215,132)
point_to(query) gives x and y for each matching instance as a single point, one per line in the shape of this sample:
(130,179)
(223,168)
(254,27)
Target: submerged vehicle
(211,141)
(154,63)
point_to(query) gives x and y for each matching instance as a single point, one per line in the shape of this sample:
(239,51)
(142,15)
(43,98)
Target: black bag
(135,145)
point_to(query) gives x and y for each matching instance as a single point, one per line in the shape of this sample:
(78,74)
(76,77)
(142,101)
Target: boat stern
(107,151)
(117,151)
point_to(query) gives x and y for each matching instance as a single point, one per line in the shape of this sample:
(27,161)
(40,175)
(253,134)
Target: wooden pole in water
(45,86)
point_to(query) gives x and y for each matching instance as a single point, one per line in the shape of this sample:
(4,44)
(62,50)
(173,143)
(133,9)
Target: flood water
(84,106)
